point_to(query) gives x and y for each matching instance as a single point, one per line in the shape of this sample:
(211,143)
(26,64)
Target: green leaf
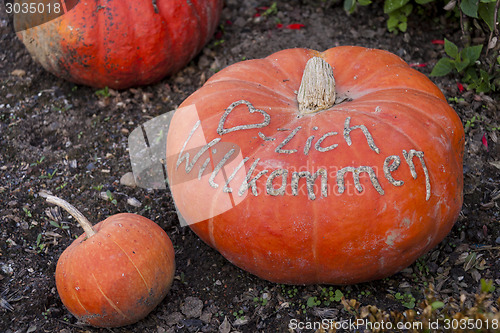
(364,2)
(461,64)
(423,2)
(338,295)
(273,9)
(402,26)
(487,286)
(409,304)
(470,75)
(469,7)
(443,67)
(484,85)
(392,23)
(437,305)
(311,302)
(451,49)
(392,5)
(55,224)
(487,14)
(471,53)
(349,5)
(406,10)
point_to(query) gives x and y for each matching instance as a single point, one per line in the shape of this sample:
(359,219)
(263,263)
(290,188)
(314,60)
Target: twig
(495,28)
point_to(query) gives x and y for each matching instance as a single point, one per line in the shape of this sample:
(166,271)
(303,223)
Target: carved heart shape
(221,130)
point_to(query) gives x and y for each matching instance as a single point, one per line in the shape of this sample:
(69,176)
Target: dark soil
(65,138)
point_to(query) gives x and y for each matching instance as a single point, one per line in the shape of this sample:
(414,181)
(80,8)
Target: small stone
(128,179)
(240,22)
(174,318)
(134,202)
(7,269)
(497,240)
(90,166)
(193,325)
(206,317)
(241,321)
(73,164)
(192,307)
(18,72)
(225,327)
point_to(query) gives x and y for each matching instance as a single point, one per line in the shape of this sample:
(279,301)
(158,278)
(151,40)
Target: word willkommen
(391,163)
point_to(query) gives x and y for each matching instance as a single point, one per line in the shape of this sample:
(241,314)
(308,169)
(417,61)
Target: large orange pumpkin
(340,171)
(117,43)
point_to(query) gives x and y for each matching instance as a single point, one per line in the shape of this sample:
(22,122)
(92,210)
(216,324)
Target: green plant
(110,197)
(464,62)
(49,175)
(57,225)
(238,314)
(329,295)
(487,286)
(272,10)
(260,301)
(219,42)
(102,93)
(351,5)
(60,187)
(289,291)
(313,302)
(97,187)
(38,162)
(397,10)
(40,246)
(459,60)
(480,315)
(479,65)
(481,74)
(471,123)
(422,267)
(406,299)
(27,212)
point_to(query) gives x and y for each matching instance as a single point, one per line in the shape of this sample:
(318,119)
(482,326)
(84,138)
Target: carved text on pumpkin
(249,181)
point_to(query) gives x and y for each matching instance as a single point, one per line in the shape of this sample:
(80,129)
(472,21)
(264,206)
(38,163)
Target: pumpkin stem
(82,220)
(317,88)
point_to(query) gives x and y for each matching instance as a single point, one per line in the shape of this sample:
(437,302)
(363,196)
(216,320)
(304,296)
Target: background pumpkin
(340,238)
(120,44)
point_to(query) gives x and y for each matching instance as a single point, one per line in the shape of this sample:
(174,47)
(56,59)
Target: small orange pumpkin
(117,272)
(307,167)
(117,43)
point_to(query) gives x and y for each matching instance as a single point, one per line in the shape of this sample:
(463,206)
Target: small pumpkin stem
(82,220)
(317,88)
